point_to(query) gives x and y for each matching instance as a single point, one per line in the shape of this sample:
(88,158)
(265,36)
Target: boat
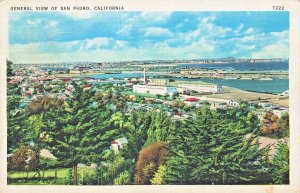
(230,78)
(265,79)
(116,72)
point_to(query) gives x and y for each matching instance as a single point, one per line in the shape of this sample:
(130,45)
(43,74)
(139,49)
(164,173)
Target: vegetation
(280,165)
(44,104)
(216,148)
(150,159)
(9,70)
(212,147)
(275,127)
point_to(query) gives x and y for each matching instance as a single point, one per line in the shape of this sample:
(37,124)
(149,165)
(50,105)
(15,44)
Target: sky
(47,37)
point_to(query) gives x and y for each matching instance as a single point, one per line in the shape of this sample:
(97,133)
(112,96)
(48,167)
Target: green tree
(280,164)
(114,171)
(9,70)
(15,120)
(217,147)
(177,166)
(284,125)
(81,132)
(159,175)
(123,178)
(160,127)
(135,130)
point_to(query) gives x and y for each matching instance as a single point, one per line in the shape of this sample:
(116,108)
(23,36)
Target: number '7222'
(278,7)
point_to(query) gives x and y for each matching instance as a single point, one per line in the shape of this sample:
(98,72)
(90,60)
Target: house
(233,103)
(216,105)
(280,112)
(260,114)
(66,80)
(191,101)
(87,87)
(178,115)
(266,105)
(117,144)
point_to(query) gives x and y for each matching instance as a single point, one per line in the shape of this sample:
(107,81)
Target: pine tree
(9,70)
(160,128)
(135,130)
(159,175)
(123,178)
(218,147)
(81,132)
(284,125)
(15,120)
(279,168)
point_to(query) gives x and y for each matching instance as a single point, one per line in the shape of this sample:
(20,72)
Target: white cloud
(238,29)
(280,37)
(96,42)
(207,19)
(157,32)
(119,44)
(34,22)
(283,34)
(272,51)
(191,35)
(53,23)
(250,38)
(75,51)
(207,25)
(245,46)
(250,31)
(241,26)
(125,30)
(139,21)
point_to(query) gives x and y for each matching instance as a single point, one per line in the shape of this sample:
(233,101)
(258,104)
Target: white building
(233,103)
(117,144)
(201,88)
(266,105)
(260,114)
(280,112)
(191,101)
(160,82)
(151,89)
(285,93)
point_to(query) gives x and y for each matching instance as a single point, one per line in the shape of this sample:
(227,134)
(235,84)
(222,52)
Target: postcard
(138,96)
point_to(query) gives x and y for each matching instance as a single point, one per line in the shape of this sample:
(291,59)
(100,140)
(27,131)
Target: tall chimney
(145,77)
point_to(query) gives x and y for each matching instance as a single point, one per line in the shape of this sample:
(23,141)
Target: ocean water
(258,66)
(274,86)
(265,86)
(120,76)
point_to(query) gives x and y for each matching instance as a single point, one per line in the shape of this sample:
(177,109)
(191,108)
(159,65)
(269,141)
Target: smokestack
(145,77)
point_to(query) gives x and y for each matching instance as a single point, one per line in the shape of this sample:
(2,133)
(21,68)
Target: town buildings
(201,88)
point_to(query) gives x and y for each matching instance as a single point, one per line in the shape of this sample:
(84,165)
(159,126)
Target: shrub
(150,158)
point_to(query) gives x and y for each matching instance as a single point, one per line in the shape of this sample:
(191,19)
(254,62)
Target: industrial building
(153,89)
(161,82)
(201,88)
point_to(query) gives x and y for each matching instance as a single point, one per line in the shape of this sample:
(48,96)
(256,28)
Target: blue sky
(42,37)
